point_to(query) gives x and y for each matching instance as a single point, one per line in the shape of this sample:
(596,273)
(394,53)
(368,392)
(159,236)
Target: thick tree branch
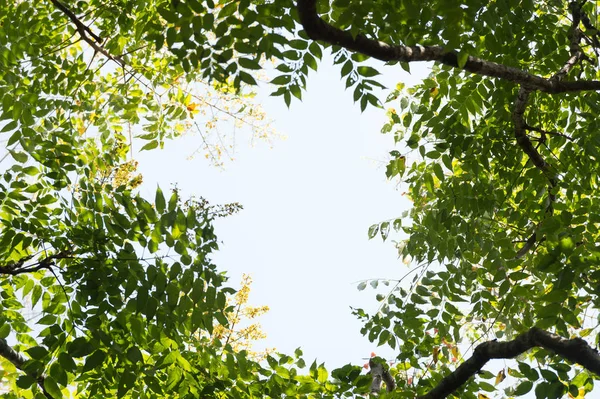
(529,243)
(523,141)
(20,268)
(521,126)
(86,33)
(547,133)
(593,31)
(317,29)
(574,350)
(19,362)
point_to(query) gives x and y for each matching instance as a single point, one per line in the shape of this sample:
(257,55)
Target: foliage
(100,73)
(240,331)
(497,150)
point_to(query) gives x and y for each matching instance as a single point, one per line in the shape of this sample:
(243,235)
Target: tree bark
(317,29)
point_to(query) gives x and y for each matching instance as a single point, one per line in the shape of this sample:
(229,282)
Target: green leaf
(52,387)
(347,68)
(310,61)
(322,374)
(367,71)
(19,156)
(47,320)
(247,78)
(159,200)
(126,382)
(37,352)
(570,318)
(439,173)
(67,362)
(373,230)
(523,388)
(150,146)
(462,59)
(93,361)
(134,355)
(168,15)
(36,295)
(315,49)
(249,64)
(4,331)
(59,374)
(384,229)
(281,80)
(12,125)
(25,381)
(79,347)
(171,36)
(174,376)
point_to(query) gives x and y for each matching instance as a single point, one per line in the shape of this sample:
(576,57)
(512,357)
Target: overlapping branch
(318,29)
(7,352)
(521,127)
(86,33)
(575,350)
(20,266)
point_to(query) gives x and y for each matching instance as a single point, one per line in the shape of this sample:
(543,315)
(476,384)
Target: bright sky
(308,203)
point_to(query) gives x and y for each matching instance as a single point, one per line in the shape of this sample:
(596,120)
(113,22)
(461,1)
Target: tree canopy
(498,149)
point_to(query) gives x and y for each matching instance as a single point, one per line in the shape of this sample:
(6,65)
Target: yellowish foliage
(124,175)
(580,395)
(243,331)
(500,377)
(218,108)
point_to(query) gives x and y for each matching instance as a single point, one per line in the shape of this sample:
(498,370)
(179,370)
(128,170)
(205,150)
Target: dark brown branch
(575,350)
(81,27)
(317,29)
(19,362)
(529,243)
(20,268)
(547,133)
(589,26)
(86,33)
(521,127)
(523,141)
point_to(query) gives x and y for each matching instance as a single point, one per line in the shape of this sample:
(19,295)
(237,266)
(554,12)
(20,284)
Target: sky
(308,203)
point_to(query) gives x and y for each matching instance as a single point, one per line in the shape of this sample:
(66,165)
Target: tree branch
(85,32)
(521,126)
(20,268)
(19,362)
(317,29)
(547,133)
(575,350)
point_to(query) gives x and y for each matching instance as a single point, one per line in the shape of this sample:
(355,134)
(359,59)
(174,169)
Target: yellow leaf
(482,396)
(585,332)
(454,353)
(192,107)
(580,394)
(500,377)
